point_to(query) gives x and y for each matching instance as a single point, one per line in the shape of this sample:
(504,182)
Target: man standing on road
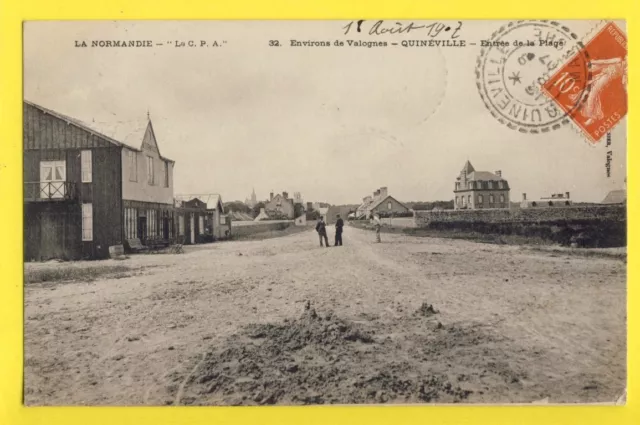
(321,228)
(339,225)
(377,224)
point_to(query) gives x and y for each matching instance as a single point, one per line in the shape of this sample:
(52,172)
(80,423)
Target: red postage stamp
(596,102)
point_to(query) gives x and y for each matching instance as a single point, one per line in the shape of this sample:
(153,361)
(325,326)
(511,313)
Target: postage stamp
(513,65)
(596,105)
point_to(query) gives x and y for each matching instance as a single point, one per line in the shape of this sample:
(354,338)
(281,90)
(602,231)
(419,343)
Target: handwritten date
(434,29)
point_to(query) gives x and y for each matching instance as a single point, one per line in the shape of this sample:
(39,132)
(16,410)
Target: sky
(334,123)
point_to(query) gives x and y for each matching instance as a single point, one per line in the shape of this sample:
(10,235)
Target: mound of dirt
(315,359)
(426,310)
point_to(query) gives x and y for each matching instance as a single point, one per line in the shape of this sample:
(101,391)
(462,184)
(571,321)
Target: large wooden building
(85,191)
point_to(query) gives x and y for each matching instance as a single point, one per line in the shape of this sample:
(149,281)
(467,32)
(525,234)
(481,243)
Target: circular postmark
(515,63)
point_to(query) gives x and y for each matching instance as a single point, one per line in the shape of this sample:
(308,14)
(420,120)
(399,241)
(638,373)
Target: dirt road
(283,321)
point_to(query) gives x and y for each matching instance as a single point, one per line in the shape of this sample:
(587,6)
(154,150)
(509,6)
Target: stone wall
(251,227)
(601,226)
(523,215)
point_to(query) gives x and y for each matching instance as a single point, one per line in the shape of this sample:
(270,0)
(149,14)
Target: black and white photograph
(249,213)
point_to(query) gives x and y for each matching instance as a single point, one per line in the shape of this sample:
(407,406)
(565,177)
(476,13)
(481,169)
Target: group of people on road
(321,229)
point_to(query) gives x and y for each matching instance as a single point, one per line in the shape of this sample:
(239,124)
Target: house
(219,225)
(363,210)
(380,203)
(555,200)
(615,197)
(262,216)
(201,218)
(85,191)
(191,215)
(480,189)
(280,206)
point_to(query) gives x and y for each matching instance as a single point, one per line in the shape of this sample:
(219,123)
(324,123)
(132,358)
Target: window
(131,223)
(491,199)
(480,199)
(53,175)
(181,225)
(150,179)
(86,166)
(389,205)
(151,223)
(133,166)
(469,200)
(166,174)
(87,222)
(201,224)
(502,199)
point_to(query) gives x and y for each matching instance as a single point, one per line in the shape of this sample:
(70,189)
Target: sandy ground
(283,321)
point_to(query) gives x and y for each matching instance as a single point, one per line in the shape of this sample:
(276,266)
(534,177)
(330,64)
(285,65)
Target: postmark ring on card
(514,64)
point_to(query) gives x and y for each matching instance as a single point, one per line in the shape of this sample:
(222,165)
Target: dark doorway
(165,228)
(142,228)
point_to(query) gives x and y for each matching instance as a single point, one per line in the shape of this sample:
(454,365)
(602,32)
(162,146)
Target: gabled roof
(379,201)
(212,200)
(468,168)
(128,135)
(615,197)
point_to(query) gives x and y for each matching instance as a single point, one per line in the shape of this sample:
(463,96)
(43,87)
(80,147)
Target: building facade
(85,191)
(147,191)
(280,206)
(480,189)
(555,200)
(380,203)
(200,218)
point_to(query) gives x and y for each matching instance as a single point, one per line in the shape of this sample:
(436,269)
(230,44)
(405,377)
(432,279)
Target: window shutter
(86,166)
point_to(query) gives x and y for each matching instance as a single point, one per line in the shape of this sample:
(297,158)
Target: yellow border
(11,17)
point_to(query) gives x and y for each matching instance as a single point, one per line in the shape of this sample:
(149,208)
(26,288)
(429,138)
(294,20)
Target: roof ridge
(87,127)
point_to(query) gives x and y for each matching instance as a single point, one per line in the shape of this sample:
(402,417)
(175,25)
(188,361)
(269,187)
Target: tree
(298,210)
(257,208)
(237,206)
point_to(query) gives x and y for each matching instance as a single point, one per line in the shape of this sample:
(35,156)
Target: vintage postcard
(183,181)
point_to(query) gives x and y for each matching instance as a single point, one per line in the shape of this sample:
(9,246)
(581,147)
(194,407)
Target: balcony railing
(50,191)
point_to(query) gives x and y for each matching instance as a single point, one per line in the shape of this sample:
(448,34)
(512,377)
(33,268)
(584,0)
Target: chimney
(383,192)
(271,196)
(498,173)
(567,195)
(524,196)
(285,195)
